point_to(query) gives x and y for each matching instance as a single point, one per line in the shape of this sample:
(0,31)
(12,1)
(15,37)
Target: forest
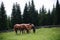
(30,15)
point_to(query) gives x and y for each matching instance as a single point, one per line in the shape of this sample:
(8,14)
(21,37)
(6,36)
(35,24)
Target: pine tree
(30,15)
(8,22)
(13,16)
(33,14)
(39,16)
(26,14)
(53,15)
(49,18)
(42,16)
(16,15)
(3,18)
(57,18)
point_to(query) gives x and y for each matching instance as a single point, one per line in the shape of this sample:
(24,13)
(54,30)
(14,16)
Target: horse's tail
(33,29)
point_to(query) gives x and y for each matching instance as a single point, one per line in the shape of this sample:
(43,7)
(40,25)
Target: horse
(18,27)
(33,27)
(29,27)
(23,27)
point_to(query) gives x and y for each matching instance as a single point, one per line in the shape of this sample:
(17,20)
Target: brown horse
(29,27)
(19,27)
(23,27)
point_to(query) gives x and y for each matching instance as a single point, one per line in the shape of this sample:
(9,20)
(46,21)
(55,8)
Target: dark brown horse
(23,27)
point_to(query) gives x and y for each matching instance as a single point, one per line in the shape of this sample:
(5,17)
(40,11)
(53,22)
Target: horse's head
(31,24)
(33,27)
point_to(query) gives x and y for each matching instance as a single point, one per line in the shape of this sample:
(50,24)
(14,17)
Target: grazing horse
(33,27)
(18,27)
(29,27)
(23,27)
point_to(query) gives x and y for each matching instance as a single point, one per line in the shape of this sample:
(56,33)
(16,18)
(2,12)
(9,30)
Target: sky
(8,4)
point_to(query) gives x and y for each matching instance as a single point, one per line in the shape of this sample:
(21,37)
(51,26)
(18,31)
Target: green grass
(41,34)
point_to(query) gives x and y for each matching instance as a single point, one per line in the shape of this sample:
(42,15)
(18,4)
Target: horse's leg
(16,31)
(20,30)
(33,29)
(27,31)
(24,31)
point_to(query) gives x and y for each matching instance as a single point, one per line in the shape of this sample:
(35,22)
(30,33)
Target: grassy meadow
(41,34)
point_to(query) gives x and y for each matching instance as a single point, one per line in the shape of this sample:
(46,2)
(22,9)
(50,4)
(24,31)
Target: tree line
(30,15)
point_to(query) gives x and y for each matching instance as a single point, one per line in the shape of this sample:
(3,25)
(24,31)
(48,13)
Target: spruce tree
(39,16)
(26,14)
(57,13)
(3,18)
(30,15)
(53,15)
(13,16)
(16,15)
(42,15)
(8,22)
(33,14)
(49,18)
